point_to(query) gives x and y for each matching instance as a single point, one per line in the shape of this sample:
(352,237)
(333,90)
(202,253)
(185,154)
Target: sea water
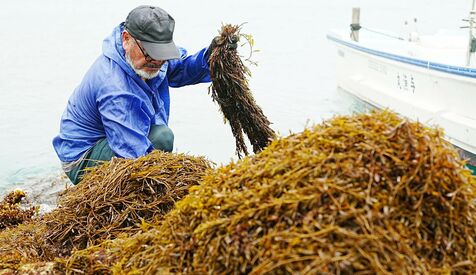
(48,45)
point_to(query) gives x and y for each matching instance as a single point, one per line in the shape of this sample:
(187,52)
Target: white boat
(430,78)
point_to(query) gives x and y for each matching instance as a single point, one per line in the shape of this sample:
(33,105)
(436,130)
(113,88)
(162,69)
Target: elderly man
(121,108)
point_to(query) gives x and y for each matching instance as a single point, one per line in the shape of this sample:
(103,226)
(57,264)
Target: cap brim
(161,51)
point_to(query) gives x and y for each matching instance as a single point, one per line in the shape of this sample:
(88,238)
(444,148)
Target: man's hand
(231,43)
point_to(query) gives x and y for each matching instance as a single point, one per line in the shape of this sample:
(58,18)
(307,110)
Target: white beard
(143,74)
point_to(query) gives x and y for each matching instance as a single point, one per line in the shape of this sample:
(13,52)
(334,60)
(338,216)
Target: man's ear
(125,40)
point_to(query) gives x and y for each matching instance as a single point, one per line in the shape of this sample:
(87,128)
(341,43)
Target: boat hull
(435,94)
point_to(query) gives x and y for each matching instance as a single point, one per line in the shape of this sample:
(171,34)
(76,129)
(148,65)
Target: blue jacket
(112,101)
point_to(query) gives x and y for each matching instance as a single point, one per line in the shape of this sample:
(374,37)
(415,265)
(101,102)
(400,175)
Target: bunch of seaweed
(11,213)
(230,90)
(117,196)
(112,199)
(363,194)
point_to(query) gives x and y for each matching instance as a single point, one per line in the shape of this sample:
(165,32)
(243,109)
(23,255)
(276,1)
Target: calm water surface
(48,45)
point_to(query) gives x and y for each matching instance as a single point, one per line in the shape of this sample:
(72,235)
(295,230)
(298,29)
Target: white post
(356,24)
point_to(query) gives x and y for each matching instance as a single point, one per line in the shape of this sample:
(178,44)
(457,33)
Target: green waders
(472,168)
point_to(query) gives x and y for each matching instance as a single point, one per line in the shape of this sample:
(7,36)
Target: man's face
(140,61)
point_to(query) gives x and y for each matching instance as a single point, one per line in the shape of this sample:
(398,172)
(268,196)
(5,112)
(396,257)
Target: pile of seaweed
(363,194)
(231,91)
(112,199)
(11,213)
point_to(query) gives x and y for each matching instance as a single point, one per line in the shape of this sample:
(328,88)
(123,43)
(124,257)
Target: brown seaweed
(11,213)
(117,196)
(363,194)
(25,244)
(112,200)
(231,91)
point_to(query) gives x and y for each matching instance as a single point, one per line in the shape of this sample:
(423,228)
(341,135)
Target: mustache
(153,65)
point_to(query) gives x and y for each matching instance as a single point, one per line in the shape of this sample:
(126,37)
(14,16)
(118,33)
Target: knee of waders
(162,138)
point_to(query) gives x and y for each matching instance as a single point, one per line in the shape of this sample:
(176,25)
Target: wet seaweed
(231,91)
(113,199)
(363,194)
(24,244)
(12,213)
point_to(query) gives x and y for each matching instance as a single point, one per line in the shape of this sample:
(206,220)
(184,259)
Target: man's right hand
(231,43)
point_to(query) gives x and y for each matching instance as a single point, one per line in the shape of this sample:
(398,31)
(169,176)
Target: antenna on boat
(472,40)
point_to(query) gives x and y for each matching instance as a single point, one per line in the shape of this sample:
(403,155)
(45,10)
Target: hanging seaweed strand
(230,90)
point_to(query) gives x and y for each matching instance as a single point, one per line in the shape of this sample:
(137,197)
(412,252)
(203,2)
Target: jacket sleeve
(126,124)
(187,70)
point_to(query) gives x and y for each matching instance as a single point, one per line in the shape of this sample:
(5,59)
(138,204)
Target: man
(121,108)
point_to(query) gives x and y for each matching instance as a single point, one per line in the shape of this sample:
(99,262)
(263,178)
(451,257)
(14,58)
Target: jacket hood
(112,48)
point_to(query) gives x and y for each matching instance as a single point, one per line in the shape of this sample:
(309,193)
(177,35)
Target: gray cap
(154,27)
